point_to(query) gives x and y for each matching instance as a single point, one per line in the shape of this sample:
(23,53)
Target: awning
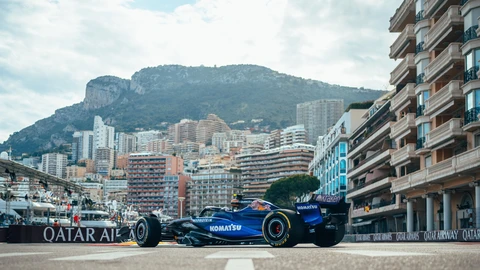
(363,223)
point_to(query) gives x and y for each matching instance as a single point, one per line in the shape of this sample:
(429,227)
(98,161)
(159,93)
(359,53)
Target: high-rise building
(144,137)
(211,187)
(218,139)
(183,131)
(104,160)
(273,140)
(293,134)
(330,163)
(155,183)
(267,166)
(103,135)
(160,146)
(437,106)
(206,128)
(318,115)
(125,143)
(55,164)
(82,145)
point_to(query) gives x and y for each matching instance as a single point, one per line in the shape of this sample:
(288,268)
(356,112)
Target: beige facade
(436,159)
(268,166)
(75,172)
(206,128)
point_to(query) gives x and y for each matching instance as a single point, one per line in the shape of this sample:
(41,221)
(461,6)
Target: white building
(82,145)
(125,143)
(103,135)
(116,185)
(293,134)
(144,137)
(330,162)
(55,164)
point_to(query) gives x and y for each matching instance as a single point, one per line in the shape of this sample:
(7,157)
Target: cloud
(49,50)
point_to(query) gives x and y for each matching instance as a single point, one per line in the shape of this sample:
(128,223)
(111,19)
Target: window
(477,140)
(343,166)
(428,161)
(471,18)
(343,149)
(472,99)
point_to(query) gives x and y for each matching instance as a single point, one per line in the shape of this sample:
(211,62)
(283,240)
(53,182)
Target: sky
(50,49)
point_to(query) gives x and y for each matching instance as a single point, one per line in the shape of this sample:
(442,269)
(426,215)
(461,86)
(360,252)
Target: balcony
(404,43)
(445,29)
(471,119)
(380,210)
(444,63)
(447,131)
(369,187)
(419,16)
(403,15)
(470,34)
(403,98)
(379,131)
(434,8)
(470,74)
(370,162)
(405,71)
(444,98)
(420,109)
(442,172)
(403,126)
(403,155)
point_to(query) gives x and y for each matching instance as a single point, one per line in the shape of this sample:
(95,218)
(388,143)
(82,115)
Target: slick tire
(148,232)
(283,228)
(327,238)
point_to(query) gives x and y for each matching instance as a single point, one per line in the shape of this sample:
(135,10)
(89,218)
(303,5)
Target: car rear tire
(329,238)
(148,232)
(283,228)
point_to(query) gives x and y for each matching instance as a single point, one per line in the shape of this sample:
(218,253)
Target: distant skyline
(50,49)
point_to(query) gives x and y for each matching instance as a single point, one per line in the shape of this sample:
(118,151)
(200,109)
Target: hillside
(170,93)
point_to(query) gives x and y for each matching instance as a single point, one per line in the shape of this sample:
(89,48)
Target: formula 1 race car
(254,221)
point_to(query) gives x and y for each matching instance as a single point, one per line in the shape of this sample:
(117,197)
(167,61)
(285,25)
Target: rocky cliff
(170,93)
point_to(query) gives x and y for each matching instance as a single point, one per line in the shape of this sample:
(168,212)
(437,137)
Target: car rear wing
(335,205)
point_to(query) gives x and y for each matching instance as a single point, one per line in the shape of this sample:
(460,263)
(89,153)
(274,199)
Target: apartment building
(155,183)
(206,128)
(374,209)
(55,164)
(293,134)
(260,170)
(318,115)
(437,160)
(211,187)
(82,145)
(104,160)
(103,135)
(330,161)
(125,143)
(183,131)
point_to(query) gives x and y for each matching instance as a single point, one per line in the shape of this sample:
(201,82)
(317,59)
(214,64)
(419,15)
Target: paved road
(458,256)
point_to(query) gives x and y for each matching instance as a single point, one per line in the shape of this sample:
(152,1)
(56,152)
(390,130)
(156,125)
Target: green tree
(285,191)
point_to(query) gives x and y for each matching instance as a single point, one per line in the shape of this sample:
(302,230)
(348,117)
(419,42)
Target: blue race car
(254,221)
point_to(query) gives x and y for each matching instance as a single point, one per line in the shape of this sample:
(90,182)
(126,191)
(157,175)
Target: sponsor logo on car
(225,228)
(307,207)
(201,220)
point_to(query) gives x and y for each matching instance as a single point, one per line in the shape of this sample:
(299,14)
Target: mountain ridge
(169,93)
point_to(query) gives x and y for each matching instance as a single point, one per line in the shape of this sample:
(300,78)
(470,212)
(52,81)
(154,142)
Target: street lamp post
(181,199)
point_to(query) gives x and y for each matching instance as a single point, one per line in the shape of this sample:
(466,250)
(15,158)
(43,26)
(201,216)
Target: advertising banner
(463,235)
(43,234)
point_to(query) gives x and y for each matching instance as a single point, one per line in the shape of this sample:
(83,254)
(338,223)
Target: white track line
(239,264)
(21,254)
(103,256)
(240,255)
(381,253)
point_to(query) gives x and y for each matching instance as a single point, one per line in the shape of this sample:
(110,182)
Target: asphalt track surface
(458,256)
